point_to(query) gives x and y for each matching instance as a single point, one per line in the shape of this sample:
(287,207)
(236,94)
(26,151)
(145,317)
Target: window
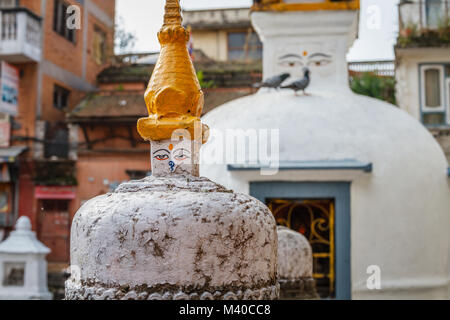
(244,46)
(432,88)
(447,87)
(435,81)
(60,17)
(56,141)
(60,98)
(99,50)
(14,274)
(7,3)
(55,205)
(433,13)
(433,119)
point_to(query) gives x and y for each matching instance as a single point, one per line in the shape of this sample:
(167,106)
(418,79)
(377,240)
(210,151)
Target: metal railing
(379,68)
(424,14)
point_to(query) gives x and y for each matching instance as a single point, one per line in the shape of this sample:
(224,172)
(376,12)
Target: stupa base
(85,291)
(298,289)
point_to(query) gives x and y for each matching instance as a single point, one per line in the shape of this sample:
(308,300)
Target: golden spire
(174,98)
(172,15)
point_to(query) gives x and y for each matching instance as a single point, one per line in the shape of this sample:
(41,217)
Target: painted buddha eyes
(161,155)
(291,63)
(291,60)
(319,62)
(181,154)
(295,60)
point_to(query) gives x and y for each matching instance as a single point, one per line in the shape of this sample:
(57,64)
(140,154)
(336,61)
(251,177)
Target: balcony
(20,35)
(424,23)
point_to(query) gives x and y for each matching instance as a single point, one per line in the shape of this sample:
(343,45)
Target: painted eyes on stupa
(181,154)
(318,59)
(178,155)
(161,155)
(319,62)
(291,63)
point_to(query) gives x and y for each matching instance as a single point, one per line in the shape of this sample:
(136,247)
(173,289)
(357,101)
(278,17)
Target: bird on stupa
(301,84)
(273,82)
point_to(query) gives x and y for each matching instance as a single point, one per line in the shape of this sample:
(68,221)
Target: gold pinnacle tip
(172,15)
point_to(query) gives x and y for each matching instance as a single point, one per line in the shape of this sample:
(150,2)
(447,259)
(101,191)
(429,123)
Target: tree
(371,85)
(124,41)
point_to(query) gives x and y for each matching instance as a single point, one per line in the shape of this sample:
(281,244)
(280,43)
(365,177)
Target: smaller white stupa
(23,268)
(295,266)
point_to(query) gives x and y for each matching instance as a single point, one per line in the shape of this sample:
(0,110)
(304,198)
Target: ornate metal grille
(315,220)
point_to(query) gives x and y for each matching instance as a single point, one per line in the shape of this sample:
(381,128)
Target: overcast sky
(378,24)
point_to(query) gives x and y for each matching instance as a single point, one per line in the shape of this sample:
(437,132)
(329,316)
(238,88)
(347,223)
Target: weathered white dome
(294,255)
(295,266)
(177,238)
(399,212)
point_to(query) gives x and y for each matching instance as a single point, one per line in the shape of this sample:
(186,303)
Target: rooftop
(219,71)
(125,107)
(217,19)
(220,81)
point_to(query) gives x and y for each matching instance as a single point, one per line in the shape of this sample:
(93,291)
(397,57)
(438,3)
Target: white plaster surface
(294,255)
(177,231)
(399,213)
(293,40)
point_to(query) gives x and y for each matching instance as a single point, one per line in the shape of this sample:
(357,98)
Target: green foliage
(204,84)
(412,36)
(407,35)
(371,85)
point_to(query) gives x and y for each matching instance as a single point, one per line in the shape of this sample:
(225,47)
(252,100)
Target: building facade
(224,34)
(423,65)
(56,48)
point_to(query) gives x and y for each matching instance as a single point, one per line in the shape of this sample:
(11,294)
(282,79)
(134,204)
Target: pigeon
(273,82)
(301,84)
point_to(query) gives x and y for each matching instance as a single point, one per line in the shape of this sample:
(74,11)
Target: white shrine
(23,268)
(364,181)
(295,266)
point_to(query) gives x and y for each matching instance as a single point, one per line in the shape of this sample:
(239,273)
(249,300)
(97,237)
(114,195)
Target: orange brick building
(56,65)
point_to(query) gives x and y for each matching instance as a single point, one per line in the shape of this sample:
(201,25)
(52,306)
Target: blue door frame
(340,192)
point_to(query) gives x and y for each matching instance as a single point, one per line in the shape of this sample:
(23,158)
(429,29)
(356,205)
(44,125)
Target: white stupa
(295,266)
(23,268)
(385,172)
